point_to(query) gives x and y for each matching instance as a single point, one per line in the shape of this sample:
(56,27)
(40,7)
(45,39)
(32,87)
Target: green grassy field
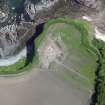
(81,54)
(12,68)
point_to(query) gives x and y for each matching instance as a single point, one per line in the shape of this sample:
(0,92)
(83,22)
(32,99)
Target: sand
(40,88)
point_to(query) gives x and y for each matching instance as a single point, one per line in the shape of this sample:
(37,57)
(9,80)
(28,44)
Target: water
(13,59)
(14,3)
(17,3)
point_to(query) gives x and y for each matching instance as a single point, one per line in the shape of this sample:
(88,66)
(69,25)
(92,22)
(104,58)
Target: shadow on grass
(94,97)
(30,45)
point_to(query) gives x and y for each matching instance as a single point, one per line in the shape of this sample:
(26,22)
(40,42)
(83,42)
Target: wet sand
(40,88)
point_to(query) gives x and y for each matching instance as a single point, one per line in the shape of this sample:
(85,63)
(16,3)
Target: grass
(19,66)
(70,77)
(81,54)
(39,40)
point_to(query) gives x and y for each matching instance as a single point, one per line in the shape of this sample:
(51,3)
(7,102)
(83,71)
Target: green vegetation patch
(12,68)
(100,74)
(80,53)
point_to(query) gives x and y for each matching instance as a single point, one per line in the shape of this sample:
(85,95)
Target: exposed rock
(96,4)
(33,8)
(48,52)
(3,16)
(13,37)
(3,11)
(16,28)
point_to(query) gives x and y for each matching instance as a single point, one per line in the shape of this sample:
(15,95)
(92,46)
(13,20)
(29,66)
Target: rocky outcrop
(16,28)
(13,37)
(33,8)
(3,16)
(3,11)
